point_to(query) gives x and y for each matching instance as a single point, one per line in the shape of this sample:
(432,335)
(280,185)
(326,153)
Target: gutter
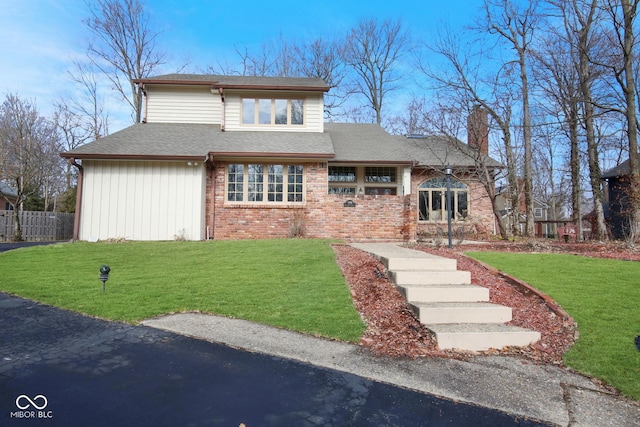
(73,156)
(218,85)
(276,155)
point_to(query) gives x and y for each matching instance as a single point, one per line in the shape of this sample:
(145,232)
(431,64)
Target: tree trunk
(526,134)
(585,79)
(629,12)
(576,189)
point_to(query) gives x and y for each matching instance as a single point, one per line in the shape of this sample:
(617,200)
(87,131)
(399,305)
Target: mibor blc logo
(31,407)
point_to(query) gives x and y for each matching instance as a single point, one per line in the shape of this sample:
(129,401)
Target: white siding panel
(183,105)
(142,200)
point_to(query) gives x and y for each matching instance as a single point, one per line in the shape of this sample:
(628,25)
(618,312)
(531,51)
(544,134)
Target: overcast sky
(40,38)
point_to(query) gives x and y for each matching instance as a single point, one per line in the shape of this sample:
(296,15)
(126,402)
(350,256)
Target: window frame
(294,107)
(264,184)
(460,195)
(352,180)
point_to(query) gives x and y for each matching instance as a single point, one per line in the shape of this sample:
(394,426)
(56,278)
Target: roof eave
(373,162)
(238,154)
(216,85)
(89,156)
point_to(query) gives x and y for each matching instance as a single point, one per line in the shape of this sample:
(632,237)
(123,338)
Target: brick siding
(322,215)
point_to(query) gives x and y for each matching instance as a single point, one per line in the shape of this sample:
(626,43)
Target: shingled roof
(340,143)
(195,141)
(623,169)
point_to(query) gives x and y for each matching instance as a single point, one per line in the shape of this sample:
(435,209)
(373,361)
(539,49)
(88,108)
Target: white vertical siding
(314,112)
(140,200)
(183,105)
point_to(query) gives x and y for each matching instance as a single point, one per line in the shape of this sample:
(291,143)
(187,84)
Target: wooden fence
(37,226)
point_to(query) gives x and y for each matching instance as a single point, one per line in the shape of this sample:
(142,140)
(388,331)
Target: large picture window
(433,203)
(261,183)
(276,112)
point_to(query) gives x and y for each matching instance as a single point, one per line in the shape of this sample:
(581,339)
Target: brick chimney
(478,129)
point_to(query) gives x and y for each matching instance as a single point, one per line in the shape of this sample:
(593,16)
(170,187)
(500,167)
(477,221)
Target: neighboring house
(8,197)
(619,203)
(231,157)
(544,225)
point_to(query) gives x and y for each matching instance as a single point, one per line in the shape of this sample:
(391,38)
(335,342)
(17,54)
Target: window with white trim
(272,112)
(263,183)
(433,204)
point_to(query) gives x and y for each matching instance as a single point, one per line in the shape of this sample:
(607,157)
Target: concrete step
(481,337)
(460,312)
(436,277)
(444,293)
(421,263)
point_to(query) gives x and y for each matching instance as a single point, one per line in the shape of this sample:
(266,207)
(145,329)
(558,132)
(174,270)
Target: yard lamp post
(104,275)
(447,173)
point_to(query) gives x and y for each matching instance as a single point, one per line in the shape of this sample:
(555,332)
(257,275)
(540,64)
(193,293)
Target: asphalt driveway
(8,246)
(59,368)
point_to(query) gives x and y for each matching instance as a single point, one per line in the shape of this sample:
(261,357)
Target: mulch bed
(393,329)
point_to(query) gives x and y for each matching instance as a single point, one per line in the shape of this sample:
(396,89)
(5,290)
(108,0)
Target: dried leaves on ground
(393,329)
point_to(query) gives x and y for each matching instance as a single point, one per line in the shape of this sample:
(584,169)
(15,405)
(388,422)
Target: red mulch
(393,329)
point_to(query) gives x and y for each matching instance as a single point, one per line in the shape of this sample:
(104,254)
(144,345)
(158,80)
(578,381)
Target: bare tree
(123,47)
(516,25)
(557,78)
(373,51)
(321,58)
(28,143)
(580,18)
(87,103)
(460,82)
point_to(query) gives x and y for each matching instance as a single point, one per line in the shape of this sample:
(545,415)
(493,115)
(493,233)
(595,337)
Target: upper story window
(433,200)
(272,112)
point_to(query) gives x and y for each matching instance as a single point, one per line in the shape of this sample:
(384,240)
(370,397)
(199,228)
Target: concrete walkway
(515,386)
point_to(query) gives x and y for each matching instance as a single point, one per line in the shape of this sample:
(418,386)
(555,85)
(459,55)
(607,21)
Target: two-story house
(233,157)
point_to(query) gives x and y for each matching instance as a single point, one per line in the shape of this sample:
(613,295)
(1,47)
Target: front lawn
(293,284)
(602,295)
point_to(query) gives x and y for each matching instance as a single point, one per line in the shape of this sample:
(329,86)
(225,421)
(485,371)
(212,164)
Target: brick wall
(322,215)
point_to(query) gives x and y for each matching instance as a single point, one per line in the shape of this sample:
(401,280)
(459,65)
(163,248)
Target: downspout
(76,217)
(221,92)
(212,206)
(146,103)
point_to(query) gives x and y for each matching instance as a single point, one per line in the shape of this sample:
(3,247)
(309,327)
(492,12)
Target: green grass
(602,295)
(293,284)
